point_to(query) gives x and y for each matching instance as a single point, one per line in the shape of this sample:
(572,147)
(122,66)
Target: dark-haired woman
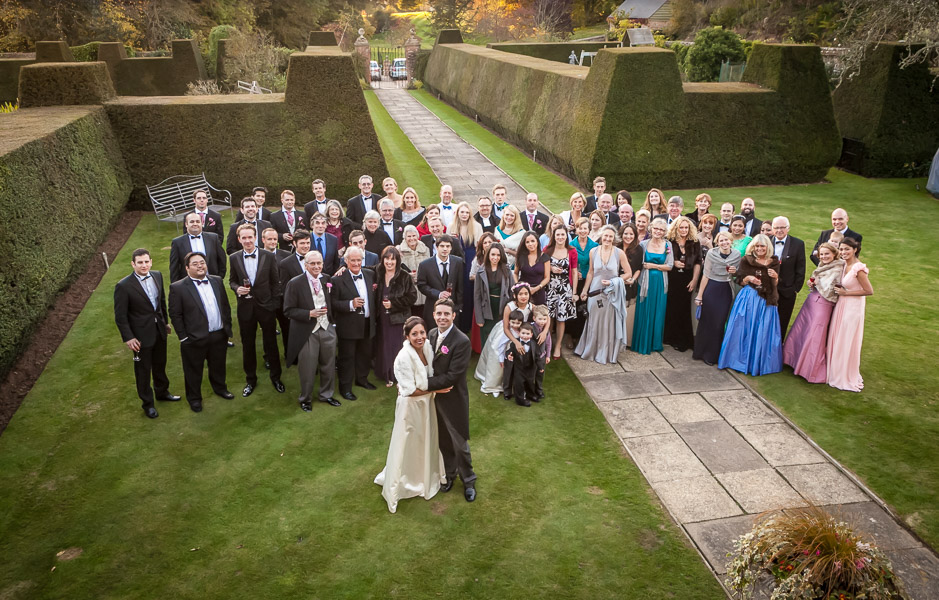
(629,238)
(532,267)
(561,286)
(492,290)
(682,282)
(846,332)
(396,293)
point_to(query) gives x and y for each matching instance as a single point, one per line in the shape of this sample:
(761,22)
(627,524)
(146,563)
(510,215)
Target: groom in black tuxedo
(452,351)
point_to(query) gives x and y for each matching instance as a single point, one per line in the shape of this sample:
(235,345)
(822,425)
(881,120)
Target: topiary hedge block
(558,52)
(58,84)
(449,36)
(10,78)
(893,111)
(53,52)
(65,158)
(160,76)
(630,118)
(322,38)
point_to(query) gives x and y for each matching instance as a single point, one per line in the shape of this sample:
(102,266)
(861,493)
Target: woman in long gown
(752,342)
(482,251)
(532,267)
(414,466)
(657,260)
(847,322)
(715,299)
(629,237)
(682,282)
(413,252)
(396,293)
(606,326)
(489,369)
(466,231)
(806,347)
(561,286)
(492,291)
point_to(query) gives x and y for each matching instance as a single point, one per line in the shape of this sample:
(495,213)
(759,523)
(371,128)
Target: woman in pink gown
(847,323)
(806,348)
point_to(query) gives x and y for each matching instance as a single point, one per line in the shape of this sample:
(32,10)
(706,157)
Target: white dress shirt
(362,288)
(447,211)
(149,286)
(441,335)
(440,265)
(210,302)
(251,264)
(779,246)
(319,300)
(389,228)
(197,243)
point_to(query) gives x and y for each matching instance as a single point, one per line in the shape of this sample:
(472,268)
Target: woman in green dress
(653,289)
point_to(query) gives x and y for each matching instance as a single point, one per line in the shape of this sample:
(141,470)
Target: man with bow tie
(288,219)
(499,199)
(358,206)
(249,208)
(312,331)
(211,220)
(196,240)
(353,303)
(447,208)
(393,228)
(141,317)
(592,202)
(254,278)
(791,254)
(319,201)
(727,215)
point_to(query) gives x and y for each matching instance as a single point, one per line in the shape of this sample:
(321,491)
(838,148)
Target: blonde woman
(510,231)
(554,221)
(410,211)
(715,298)
(682,282)
(597,220)
(466,231)
(390,186)
(643,218)
(655,203)
(578,203)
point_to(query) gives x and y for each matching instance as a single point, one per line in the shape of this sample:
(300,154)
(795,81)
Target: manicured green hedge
(421,65)
(322,38)
(241,141)
(558,52)
(58,84)
(630,118)
(70,167)
(10,78)
(892,111)
(160,76)
(449,36)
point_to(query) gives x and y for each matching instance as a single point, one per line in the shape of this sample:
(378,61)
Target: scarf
(826,276)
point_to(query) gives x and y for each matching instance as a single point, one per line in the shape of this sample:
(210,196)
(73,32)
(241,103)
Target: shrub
(255,57)
(712,46)
(220,32)
(86,53)
(204,87)
(681,54)
(58,84)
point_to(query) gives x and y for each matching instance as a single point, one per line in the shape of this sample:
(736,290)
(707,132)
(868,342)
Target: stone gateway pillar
(411,48)
(363,52)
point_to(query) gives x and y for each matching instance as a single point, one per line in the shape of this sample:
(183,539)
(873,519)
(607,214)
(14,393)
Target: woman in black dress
(682,283)
(532,267)
(396,293)
(492,290)
(629,237)
(376,240)
(715,298)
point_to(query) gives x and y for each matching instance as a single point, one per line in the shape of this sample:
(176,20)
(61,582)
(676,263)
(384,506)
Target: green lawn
(886,434)
(253,498)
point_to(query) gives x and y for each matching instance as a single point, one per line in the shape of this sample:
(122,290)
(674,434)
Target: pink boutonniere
(329,286)
(399,229)
(538,222)
(444,350)
(211,221)
(374,286)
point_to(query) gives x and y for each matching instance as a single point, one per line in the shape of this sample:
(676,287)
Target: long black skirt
(678,329)
(715,308)
(575,327)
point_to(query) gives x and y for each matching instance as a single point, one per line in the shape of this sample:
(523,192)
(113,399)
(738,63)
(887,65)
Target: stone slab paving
(713,451)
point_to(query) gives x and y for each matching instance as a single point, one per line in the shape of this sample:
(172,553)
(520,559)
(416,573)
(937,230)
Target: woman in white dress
(414,466)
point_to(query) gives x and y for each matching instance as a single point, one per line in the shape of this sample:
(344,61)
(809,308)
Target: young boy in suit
(525,366)
(542,318)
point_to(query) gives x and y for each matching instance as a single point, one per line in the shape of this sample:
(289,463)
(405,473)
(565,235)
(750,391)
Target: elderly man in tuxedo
(791,254)
(197,240)
(211,220)
(437,231)
(140,315)
(605,206)
(357,239)
(201,316)
(313,331)
(353,300)
(288,219)
(440,277)
(358,206)
(839,223)
(447,207)
(393,228)
(673,209)
(250,209)
(255,279)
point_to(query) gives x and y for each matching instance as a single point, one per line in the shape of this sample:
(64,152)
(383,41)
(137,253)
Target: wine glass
(247,283)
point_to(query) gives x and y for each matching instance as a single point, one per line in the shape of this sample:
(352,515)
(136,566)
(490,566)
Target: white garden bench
(172,197)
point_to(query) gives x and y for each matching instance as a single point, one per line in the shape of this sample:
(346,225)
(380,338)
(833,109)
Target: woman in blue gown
(653,289)
(752,342)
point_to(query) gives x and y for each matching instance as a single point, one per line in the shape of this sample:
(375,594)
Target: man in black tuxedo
(313,331)
(599,187)
(319,201)
(197,240)
(839,223)
(673,209)
(211,220)
(452,351)
(353,300)
(440,277)
(727,215)
(260,196)
(325,243)
(605,206)
(752,225)
(357,239)
(292,265)
(201,316)
(255,279)
(288,219)
(499,199)
(393,228)
(791,254)
(140,314)
(532,218)
(249,208)
(484,215)
(269,241)
(437,230)
(357,206)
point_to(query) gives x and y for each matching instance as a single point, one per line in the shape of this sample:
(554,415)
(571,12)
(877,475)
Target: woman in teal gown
(653,288)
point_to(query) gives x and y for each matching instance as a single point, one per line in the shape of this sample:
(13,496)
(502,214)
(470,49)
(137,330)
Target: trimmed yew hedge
(64,162)
(558,52)
(892,111)
(63,83)
(630,118)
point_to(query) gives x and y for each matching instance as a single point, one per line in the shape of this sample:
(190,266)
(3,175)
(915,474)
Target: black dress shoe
(231,344)
(306,406)
(151,413)
(247,391)
(278,385)
(196,406)
(446,486)
(366,384)
(333,401)
(469,493)
(522,402)
(227,395)
(169,398)
(349,396)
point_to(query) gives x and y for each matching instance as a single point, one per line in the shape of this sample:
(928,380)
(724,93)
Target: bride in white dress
(414,466)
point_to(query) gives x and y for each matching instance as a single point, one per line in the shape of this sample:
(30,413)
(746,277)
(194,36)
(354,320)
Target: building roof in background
(640,9)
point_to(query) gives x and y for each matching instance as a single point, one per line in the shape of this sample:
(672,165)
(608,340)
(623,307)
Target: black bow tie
(195,237)
(780,241)
(250,256)
(144,278)
(356,277)
(387,223)
(252,223)
(201,280)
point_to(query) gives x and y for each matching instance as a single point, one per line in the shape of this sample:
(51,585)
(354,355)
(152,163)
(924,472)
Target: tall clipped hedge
(70,165)
(892,111)
(558,52)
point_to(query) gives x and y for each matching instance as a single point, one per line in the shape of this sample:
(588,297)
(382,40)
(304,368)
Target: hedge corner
(322,38)
(65,83)
(53,52)
(450,36)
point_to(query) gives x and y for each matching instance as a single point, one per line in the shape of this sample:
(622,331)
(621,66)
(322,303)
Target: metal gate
(388,67)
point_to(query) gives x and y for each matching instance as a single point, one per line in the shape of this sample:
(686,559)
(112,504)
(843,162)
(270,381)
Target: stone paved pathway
(454,161)
(716,454)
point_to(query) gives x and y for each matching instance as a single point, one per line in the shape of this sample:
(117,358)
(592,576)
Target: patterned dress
(560,294)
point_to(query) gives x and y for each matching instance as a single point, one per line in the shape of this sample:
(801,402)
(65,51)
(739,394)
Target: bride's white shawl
(410,371)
